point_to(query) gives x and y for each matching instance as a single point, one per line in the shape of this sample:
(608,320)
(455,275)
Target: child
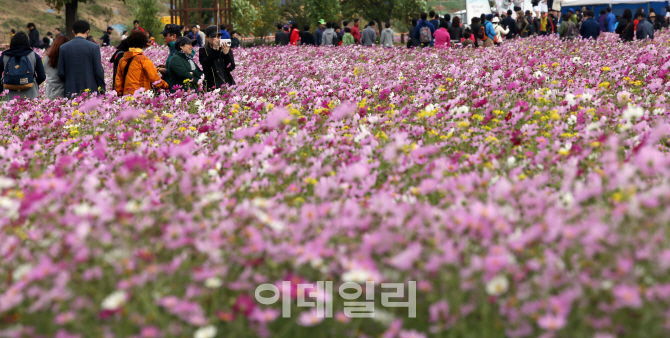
(467,39)
(348,39)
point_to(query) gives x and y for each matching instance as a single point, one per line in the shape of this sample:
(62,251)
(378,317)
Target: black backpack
(118,55)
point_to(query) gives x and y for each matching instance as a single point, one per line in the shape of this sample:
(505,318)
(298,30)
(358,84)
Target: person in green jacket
(182,69)
(348,39)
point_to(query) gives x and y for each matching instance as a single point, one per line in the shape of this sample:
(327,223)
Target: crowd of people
(74,66)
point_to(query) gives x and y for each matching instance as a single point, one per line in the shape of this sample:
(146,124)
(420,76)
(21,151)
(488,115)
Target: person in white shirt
(201,33)
(500,31)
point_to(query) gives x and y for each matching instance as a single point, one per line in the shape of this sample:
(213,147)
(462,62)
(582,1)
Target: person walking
(318,34)
(442,36)
(182,69)
(54,87)
(106,38)
(23,71)
(329,38)
(509,24)
(306,38)
(281,37)
(348,39)
(34,36)
(645,30)
(386,38)
(79,63)
(217,61)
(135,70)
(369,36)
(356,30)
(295,34)
(424,31)
(625,28)
(590,28)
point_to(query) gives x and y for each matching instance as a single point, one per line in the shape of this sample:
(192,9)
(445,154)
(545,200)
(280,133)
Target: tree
(147,14)
(244,14)
(328,10)
(71,7)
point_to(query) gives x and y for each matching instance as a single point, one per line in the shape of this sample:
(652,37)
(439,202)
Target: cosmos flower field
(524,188)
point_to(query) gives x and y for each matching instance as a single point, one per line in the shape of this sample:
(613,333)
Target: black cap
(171,29)
(183,40)
(212,31)
(527,12)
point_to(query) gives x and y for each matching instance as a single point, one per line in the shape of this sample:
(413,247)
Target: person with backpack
(121,49)
(590,28)
(625,28)
(54,87)
(22,69)
(386,38)
(487,33)
(135,70)
(424,31)
(79,63)
(563,28)
(500,31)
(217,61)
(328,38)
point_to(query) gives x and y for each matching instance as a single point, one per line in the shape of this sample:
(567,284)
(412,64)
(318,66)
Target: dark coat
(34,36)
(590,29)
(510,23)
(645,30)
(180,69)
(281,38)
(217,67)
(626,30)
(307,38)
(106,40)
(80,67)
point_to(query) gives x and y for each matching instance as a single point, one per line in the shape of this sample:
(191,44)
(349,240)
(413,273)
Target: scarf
(188,56)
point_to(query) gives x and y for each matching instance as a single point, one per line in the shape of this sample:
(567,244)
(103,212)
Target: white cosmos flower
(213,282)
(114,301)
(84,209)
(511,161)
(205,332)
(357,276)
(633,113)
(497,286)
(6,182)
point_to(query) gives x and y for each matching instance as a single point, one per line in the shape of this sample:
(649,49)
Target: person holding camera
(217,60)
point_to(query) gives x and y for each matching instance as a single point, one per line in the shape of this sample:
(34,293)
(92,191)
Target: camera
(226,42)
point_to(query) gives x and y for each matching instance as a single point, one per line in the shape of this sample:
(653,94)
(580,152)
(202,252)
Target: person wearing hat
(182,69)
(500,31)
(106,39)
(193,35)
(217,60)
(489,31)
(281,37)
(170,35)
(657,24)
(318,33)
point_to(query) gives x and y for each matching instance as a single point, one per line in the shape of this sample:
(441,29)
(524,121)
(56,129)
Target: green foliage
(147,14)
(244,15)
(328,10)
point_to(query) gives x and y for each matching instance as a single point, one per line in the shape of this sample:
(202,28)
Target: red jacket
(295,36)
(356,32)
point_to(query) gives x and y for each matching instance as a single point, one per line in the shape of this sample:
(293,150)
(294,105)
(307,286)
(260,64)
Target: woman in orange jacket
(135,70)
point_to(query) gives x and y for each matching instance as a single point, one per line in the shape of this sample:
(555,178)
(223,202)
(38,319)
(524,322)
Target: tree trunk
(70,17)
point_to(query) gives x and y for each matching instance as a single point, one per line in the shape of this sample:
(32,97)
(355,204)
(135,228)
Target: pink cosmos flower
(627,295)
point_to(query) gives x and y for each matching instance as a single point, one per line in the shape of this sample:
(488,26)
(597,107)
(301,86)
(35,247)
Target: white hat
(197,26)
(495,20)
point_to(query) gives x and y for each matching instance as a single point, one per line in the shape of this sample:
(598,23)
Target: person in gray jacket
(645,30)
(55,87)
(79,63)
(386,38)
(328,35)
(369,35)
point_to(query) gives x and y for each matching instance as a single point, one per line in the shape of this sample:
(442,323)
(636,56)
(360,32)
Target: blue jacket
(590,29)
(225,34)
(611,22)
(318,35)
(490,31)
(421,24)
(196,38)
(80,67)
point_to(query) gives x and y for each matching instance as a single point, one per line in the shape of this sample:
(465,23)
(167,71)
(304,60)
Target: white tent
(571,3)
